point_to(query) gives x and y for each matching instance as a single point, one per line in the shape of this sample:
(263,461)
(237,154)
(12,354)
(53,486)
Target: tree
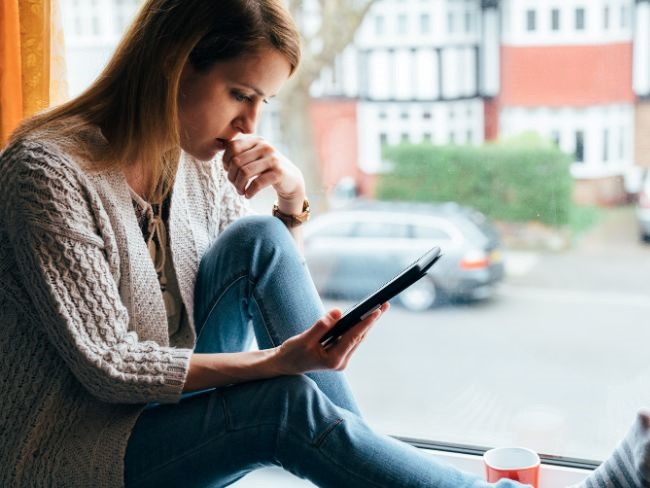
(327,28)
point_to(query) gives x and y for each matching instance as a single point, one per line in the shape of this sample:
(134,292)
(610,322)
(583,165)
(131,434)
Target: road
(557,359)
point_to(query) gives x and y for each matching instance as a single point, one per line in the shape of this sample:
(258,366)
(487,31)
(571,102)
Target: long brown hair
(134,99)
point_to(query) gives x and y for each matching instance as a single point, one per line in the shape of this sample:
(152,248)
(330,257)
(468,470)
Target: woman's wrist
(291,205)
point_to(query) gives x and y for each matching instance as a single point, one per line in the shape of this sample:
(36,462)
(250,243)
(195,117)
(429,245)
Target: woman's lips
(221,144)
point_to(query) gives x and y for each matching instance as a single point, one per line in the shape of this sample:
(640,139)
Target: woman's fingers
(253,164)
(344,347)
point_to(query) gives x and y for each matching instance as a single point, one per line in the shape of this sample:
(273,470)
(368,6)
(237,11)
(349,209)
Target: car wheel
(420,296)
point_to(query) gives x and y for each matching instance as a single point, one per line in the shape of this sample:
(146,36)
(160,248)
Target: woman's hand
(303,352)
(253,164)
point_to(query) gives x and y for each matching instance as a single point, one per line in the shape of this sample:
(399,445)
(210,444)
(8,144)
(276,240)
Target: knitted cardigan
(83,331)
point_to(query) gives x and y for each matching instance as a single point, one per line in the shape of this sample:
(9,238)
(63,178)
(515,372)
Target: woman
(131,280)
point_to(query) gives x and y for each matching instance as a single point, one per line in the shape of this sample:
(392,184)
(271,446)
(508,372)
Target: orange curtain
(32,65)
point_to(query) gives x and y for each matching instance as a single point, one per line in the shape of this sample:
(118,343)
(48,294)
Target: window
(469,21)
(567,292)
(555,19)
(379,25)
(381,230)
(383,139)
(96,27)
(555,137)
(580,19)
(402,24)
(339,229)
(430,232)
(579,154)
(531,18)
(425,24)
(451,23)
(624,17)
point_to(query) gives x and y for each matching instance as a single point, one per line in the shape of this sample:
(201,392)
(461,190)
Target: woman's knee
(255,238)
(254,228)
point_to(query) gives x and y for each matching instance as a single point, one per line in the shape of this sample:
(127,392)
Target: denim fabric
(253,281)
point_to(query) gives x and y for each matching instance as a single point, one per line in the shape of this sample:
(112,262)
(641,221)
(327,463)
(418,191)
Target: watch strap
(293,220)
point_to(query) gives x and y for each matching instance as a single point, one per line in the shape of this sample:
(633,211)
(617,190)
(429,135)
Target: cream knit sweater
(83,331)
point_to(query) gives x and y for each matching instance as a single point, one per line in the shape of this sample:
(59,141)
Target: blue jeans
(253,281)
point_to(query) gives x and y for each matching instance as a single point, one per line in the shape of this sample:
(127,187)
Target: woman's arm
(299,354)
(253,164)
(55,227)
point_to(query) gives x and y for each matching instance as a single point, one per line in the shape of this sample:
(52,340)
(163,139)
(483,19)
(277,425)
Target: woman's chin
(204,154)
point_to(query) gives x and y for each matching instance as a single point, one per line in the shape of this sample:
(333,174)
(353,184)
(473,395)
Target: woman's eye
(240,97)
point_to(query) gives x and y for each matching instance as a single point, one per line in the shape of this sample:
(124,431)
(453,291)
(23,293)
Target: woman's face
(217,106)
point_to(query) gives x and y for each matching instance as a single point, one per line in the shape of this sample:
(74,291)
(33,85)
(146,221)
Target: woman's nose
(246,122)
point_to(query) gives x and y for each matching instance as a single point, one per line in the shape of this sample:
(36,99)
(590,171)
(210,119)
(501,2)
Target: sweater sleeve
(64,265)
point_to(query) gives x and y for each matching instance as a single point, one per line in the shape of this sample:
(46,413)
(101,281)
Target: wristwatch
(293,220)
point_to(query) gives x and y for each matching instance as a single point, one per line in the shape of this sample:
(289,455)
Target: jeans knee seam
(321,438)
(231,282)
(269,331)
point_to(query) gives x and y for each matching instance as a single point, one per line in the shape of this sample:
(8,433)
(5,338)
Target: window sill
(551,476)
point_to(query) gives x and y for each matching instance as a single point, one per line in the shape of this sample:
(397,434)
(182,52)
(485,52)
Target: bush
(520,180)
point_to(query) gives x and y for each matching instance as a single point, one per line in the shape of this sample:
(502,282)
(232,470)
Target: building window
(555,137)
(605,145)
(383,139)
(379,25)
(425,24)
(451,21)
(469,22)
(426,115)
(383,115)
(531,20)
(580,19)
(555,19)
(404,115)
(401,24)
(621,144)
(606,18)
(580,147)
(404,138)
(624,17)
(426,137)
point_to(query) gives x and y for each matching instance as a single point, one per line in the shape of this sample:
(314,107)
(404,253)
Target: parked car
(351,252)
(643,207)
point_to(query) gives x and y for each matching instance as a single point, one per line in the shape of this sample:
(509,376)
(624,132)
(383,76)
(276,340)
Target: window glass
(336,229)
(425,23)
(555,19)
(429,232)
(381,230)
(531,17)
(580,19)
(464,111)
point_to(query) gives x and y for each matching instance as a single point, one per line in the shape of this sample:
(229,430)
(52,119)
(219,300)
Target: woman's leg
(215,438)
(254,274)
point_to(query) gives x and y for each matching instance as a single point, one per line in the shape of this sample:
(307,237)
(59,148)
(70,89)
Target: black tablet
(371,303)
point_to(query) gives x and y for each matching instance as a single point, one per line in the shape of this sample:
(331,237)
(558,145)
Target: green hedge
(521,180)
